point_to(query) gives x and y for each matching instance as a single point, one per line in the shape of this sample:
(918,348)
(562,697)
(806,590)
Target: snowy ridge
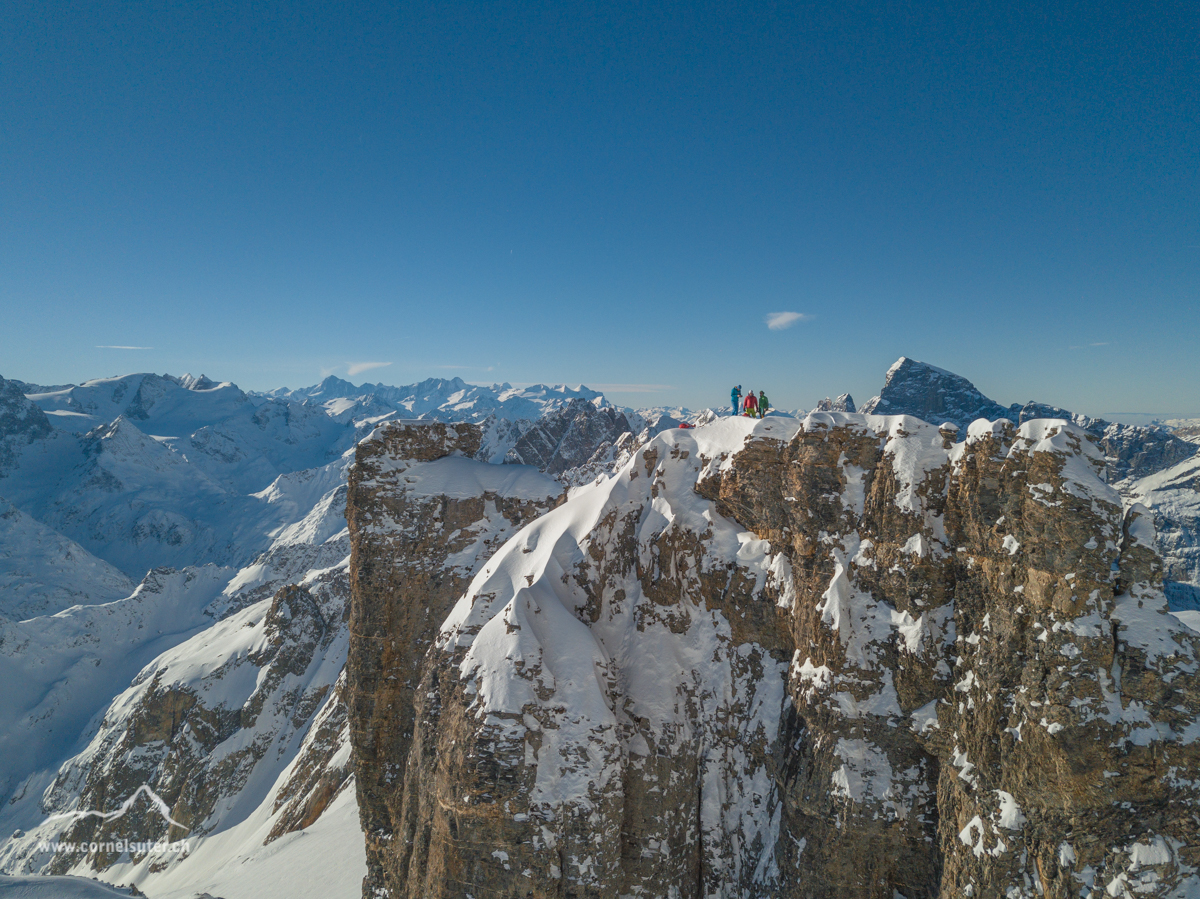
(1174,496)
(62,669)
(602,697)
(437,398)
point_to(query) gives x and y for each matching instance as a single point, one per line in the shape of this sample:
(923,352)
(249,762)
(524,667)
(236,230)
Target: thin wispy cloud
(357,368)
(778,321)
(111,346)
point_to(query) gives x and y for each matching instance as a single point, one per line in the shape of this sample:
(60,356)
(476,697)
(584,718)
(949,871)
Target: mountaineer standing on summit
(737,398)
(763,404)
(750,404)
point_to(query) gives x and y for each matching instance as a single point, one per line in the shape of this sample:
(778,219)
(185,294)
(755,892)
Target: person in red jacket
(750,404)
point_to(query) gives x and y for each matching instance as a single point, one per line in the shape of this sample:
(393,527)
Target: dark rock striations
(206,723)
(844,403)
(931,394)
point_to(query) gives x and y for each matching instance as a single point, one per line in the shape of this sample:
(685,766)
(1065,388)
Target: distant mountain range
(174,581)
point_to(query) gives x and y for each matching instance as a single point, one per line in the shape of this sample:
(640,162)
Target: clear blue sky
(607,193)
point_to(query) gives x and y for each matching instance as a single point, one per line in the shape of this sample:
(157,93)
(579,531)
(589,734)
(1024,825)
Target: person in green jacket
(763,404)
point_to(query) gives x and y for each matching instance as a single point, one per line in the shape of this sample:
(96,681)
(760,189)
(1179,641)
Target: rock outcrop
(209,726)
(1174,496)
(423,517)
(847,657)
(1134,451)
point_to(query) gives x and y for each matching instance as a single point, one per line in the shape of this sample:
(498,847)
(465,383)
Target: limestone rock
(207,721)
(932,394)
(843,657)
(935,395)
(423,516)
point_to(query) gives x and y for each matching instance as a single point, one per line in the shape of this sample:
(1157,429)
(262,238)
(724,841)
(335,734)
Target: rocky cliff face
(21,423)
(569,437)
(1174,496)
(1134,451)
(843,657)
(210,725)
(423,517)
(931,394)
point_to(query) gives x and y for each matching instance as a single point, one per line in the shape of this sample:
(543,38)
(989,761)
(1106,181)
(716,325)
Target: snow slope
(160,403)
(61,670)
(1174,496)
(43,572)
(56,888)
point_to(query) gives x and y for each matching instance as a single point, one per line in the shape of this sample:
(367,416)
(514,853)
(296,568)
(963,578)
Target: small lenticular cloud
(357,368)
(777,321)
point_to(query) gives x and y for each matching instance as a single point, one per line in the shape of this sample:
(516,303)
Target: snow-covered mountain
(175,604)
(437,398)
(235,506)
(22,423)
(42,572)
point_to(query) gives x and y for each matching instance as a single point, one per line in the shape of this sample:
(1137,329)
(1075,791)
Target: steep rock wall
(422,516)
(846,657)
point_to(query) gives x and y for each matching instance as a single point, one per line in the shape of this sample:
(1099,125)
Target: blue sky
(613,194)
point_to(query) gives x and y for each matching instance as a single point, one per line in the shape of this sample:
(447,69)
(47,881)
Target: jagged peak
(203,382)
(843,403)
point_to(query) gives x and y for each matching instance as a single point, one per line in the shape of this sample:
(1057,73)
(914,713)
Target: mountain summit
(932,394)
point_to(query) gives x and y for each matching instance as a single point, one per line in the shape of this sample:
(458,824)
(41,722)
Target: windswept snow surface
(324,861)
(458,477)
